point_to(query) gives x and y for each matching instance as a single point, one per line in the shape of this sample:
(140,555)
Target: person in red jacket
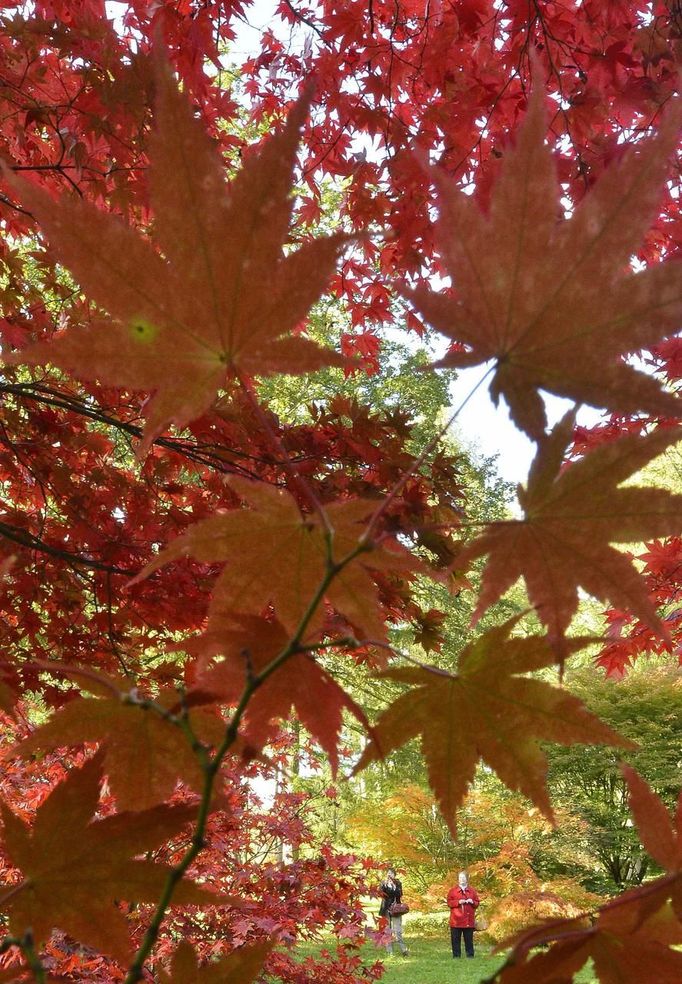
(463,901)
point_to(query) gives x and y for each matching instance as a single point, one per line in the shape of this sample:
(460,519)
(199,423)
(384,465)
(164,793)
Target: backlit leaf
(76,868)
(144,754)
(240,967)
(247,645)
(571,517)
(275,555)
(222,297)
(487,711)
(552,302)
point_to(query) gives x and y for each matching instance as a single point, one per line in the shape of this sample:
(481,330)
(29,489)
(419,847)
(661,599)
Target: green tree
(646,706)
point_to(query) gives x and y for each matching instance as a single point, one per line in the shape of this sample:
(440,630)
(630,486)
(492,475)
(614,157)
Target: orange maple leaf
(242,966)
(222,297)
(144,754)
(551,302)
(487,711)
(276,555)
(76,868)
(624,948)
(570,519)
(247,645)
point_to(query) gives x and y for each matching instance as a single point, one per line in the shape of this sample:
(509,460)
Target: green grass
(430,962)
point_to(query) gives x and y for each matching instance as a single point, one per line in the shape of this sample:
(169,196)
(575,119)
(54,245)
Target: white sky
(489,431)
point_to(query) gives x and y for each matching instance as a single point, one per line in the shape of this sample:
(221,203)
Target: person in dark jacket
(391,894)
(463,901)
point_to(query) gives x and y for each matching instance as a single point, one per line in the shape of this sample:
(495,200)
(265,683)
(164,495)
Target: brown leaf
(276,555)
(570,519)
(76,868)
(553,302)
(242,966)
(222,297)
(487,711)
(248,644)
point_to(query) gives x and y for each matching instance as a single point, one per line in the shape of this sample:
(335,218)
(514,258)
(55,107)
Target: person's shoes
(406,953)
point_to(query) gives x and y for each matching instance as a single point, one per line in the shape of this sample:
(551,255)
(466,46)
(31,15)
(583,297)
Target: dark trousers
(456,934)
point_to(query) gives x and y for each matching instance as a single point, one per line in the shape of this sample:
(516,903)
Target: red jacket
(461,912)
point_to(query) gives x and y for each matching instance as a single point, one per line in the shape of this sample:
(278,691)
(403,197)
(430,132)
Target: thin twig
(418,462)
(211,766)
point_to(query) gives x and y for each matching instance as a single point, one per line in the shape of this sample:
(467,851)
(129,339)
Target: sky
(489,431)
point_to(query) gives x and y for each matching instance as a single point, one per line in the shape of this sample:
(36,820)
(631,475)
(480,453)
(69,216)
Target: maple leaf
(429,632)
(631,938)
(242,965)
(488,711)
(75,868)
(248,644)
(222,297)
(570,519)
(624,950)
(145,754)
(550,300)
(275,555)
(660,839)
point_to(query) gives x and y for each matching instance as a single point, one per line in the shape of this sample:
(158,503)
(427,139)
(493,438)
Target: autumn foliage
(179,564)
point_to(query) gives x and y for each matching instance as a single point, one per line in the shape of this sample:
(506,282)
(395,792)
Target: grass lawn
(430,962)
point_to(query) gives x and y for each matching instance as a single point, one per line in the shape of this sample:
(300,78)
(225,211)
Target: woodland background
(111,693)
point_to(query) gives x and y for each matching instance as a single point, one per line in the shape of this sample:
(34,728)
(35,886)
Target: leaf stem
(211,766)
(33,958)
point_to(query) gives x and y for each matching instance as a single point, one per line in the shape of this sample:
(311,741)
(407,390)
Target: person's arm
(451,901)
(476,900)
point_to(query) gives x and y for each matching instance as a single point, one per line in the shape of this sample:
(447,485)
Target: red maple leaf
(223,296)
(549,300)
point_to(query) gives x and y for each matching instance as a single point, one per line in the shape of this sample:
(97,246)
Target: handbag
(480,924)
(398,909)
